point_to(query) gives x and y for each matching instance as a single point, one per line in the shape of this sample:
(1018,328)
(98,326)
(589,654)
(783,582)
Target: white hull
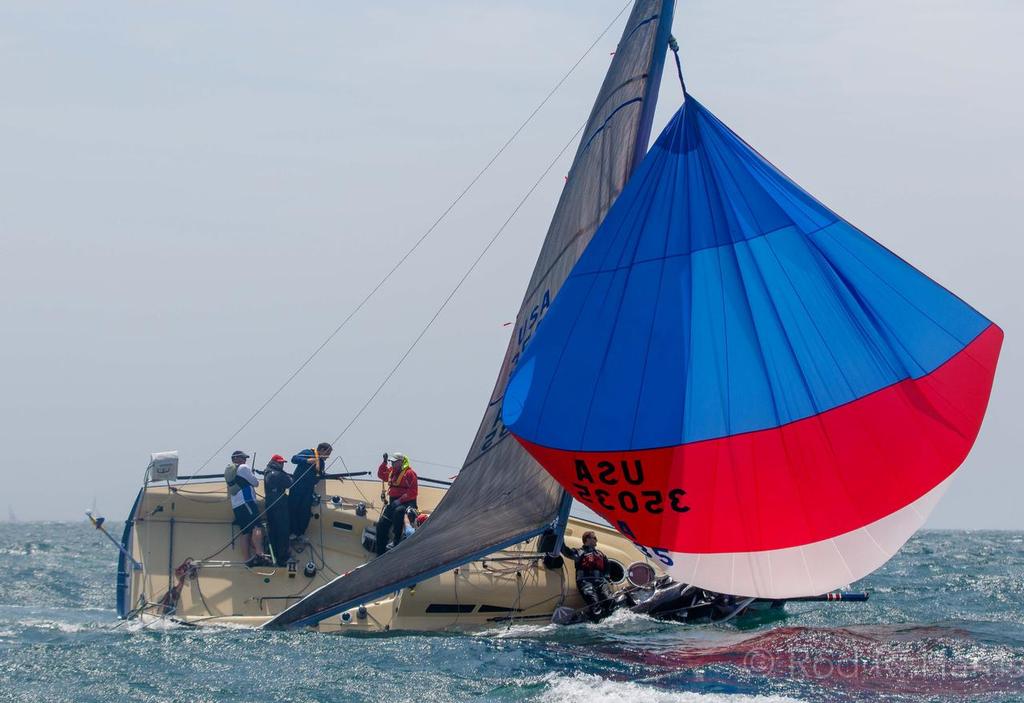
(173,523)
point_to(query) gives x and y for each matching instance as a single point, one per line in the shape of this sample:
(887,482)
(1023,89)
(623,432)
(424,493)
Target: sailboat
(760,400)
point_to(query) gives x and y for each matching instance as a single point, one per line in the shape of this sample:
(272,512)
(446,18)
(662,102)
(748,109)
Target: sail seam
(637,27)
(776,427)
(608,119)
(680,255)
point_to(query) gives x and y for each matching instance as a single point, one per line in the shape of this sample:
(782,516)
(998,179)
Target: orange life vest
(592,561)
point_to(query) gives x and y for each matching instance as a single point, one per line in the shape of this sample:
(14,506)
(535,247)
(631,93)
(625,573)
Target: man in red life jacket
(592,577)
(400,490)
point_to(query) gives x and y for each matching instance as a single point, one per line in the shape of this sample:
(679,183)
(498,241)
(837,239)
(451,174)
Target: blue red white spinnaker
(744,382)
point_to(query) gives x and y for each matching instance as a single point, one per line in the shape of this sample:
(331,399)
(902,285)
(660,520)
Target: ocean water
(945,622)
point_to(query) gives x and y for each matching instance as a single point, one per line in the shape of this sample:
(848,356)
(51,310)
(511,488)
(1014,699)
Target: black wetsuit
(275,483)
(592,580)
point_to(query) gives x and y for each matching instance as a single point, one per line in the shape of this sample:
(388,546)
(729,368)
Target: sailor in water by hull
(592,577)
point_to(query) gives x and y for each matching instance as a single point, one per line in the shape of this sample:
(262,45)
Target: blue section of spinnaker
(719,298)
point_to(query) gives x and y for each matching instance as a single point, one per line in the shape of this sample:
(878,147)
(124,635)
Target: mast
(502,495)
(641,143)
(650,100)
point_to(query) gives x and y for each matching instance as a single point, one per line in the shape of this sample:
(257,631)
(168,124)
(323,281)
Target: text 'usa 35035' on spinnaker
(763,402)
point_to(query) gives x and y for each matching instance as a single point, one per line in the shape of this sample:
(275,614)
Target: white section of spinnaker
(810,569)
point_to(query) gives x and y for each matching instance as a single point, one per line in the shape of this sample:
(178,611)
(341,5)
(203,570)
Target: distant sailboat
(11,517)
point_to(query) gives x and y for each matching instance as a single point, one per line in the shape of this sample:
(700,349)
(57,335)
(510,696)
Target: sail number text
(607,485)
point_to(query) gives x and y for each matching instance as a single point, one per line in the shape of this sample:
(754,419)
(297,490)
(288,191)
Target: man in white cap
(400,490)
(242,491)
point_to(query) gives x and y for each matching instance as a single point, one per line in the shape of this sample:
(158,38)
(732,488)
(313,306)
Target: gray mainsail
(502,496)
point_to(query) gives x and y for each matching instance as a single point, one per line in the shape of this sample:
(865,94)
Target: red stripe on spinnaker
(806,481)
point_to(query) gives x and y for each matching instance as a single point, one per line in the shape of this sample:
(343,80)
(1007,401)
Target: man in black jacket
(592,577)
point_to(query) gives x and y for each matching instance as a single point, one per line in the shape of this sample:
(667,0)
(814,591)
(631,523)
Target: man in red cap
(275,483)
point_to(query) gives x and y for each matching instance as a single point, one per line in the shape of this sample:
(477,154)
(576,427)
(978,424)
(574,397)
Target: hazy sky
(192,195)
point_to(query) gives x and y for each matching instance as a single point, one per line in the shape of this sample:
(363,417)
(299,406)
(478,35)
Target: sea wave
(936,628)
(589,688)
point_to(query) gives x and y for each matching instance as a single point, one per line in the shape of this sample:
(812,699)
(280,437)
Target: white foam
(518,631)
(588,688)
(621,617)
(59,625)
(150,622)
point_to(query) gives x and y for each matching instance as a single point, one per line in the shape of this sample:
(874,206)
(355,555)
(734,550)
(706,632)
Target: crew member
(409,528)
(592,577)
(401,491)
(309,468)
(413,521)
(275,483)
(242,491)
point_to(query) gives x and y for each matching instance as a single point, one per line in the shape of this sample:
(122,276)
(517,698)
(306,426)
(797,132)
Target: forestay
(502,496)
(738,378)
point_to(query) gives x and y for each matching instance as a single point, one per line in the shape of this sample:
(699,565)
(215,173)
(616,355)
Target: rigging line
(354,483)
(415,342)
(437,463)
(418,242)
(458,285)
(674,45)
